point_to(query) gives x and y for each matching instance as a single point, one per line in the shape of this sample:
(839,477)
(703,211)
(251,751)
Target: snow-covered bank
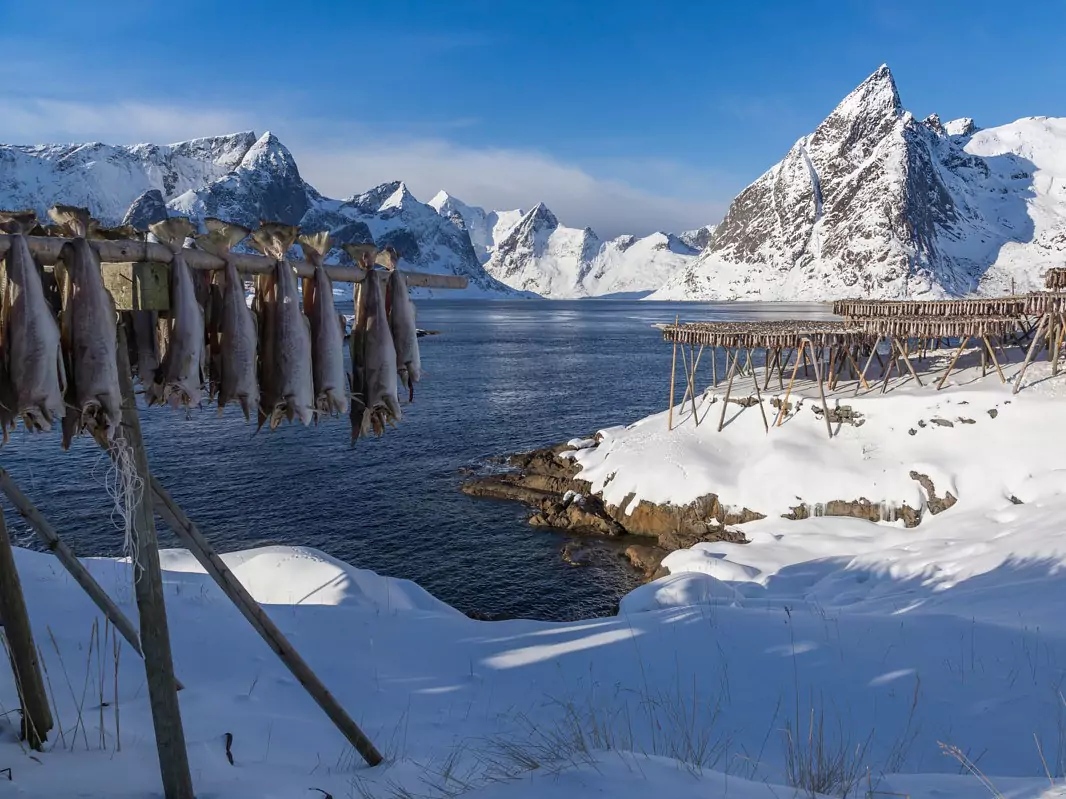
(525,708)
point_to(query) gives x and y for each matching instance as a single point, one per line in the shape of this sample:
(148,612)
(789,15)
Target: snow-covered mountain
(532,251)
(875,203)
(242,179)
(486,228)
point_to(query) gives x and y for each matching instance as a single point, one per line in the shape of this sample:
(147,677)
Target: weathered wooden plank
(138,286)
(46,250)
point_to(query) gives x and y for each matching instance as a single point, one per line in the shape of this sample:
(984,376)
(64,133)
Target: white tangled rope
(124,486)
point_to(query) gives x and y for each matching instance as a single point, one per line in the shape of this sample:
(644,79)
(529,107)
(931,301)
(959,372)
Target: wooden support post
(795,368)
(728,389)
(692,380)
(904,353)
(758,394)
(69,561)
(36,715)
(673,373)
(202,550)
(1053,343)
(958,354)
(992,352)
(148,588)
(860,377)
(1058,346)
(821,391)
(714,367)
(887,369)
(1029,354)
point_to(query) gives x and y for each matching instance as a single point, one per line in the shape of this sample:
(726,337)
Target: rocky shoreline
(547,481)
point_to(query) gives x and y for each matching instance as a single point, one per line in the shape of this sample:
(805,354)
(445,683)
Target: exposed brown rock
(648,559)
(934,503)
(860,508)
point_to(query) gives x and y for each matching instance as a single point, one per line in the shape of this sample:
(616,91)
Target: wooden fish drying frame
(136,262)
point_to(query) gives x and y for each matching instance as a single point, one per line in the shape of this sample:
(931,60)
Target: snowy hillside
(875,203)
(241,179)
(532,251)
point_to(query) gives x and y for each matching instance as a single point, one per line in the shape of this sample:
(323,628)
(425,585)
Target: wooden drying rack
(137,272)
(137,275)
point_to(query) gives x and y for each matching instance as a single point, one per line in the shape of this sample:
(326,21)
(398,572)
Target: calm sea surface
(501,377)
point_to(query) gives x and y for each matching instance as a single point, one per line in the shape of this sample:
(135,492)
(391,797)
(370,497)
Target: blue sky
(622,115)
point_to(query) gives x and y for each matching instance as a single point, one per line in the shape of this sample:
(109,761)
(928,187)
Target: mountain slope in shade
(533,252)
(107,178)
(875,203)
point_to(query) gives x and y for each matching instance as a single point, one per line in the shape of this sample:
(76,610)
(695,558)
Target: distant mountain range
(872,203)
(875,203)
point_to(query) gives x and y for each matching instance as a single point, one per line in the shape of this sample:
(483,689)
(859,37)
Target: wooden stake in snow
(673,374)
(36,715)
(821,390)
(201,549)
(148,587)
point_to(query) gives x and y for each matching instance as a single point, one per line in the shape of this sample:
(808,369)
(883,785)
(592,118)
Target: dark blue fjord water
(501,377)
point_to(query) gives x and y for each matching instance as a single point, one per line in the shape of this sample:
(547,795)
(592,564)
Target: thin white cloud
(498,178)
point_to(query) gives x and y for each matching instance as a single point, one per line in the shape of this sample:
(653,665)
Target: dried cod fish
(32,354)
(363,257)
(88,332)
(382,403)
(179,381)
(404,333)
(327,330)
(289,350)
(238,380)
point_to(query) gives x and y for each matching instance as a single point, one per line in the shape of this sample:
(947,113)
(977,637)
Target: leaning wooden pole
(791,380)
(202,550)
(728,388)
(673,375)
(69,560)
(148,588)
(955,360)
(36,715)
(821,390)
(1030,353)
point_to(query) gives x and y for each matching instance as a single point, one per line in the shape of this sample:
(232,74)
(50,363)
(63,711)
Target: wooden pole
(904,353)
(791,380)
(36,715)
(714,367)
(860,377)
(69,561)
(958,354)
(1058,346)
(148,587)
(1029,354)
(729,388)
(673,374)
(995,361)
(201,549)
(821,391)
(758,394)
(46,251)
(692,380)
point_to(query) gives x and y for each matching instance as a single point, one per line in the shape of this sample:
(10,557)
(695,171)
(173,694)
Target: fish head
(118,233)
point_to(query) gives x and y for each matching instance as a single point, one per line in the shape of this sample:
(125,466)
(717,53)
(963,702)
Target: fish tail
(73,220)
(173,231)
(18,222)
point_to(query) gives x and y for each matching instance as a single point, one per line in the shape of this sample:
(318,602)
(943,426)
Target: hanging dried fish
(179,380)
(382,403)
(291,386)
(327,330)
(404,333)
(363,257)
(88,332)
(33,358)
(237,325)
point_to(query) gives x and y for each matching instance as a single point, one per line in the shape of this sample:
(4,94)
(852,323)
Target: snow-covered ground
(887,641)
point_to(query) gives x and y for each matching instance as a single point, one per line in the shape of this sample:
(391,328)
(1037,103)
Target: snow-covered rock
(700,238)
(875,203)
(532,251)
